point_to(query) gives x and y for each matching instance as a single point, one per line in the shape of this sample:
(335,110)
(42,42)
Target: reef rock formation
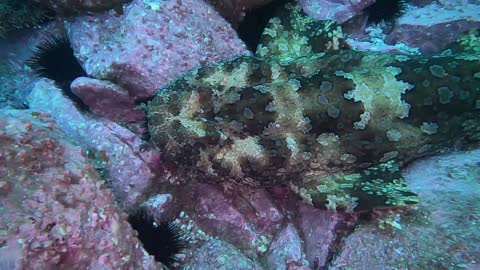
(69,7)
(55,213)
(152,43)
(333,123)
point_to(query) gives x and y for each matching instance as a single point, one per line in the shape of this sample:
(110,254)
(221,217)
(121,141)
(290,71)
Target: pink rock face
(337,10)
(130,167)
(54,214)
(286,248)
(153,42)
(217,254)
(433,27)
(257,206)
(106,99)
(216,215)
(445,224)
(163,207)
(322,232)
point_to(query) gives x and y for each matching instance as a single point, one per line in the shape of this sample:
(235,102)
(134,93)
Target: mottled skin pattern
(335,124)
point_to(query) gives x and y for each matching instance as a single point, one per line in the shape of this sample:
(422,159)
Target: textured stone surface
(257,206)
(322,232)
(443,233)
(106,99)
(129,168)
(217,216)
(163,206)
(152,43)
(216,254)
(433,27)
(54,214)
(285,249)
(337,10)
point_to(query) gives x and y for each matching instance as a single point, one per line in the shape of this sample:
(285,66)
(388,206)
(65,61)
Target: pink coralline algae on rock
(258,208)
(54,213)
(337,10)
(323,231)
(153,42)
(216,214)
(106,99)
(130,169)
(433,27)
(217,254)
(443,233)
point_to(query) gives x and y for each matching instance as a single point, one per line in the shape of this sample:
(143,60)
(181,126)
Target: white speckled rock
(153,42)
(433,27)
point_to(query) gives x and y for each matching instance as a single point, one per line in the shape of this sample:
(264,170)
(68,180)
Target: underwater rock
(336,10)
(285,249)
(258,208)
(217,216)
(322,232)
(217,254)
(70,7)
(442,233)
(336,125)
(107,99)
(54,213)
(420,3)
(152,43)
(129,169)
(162,206)
(433,27)
(16,78)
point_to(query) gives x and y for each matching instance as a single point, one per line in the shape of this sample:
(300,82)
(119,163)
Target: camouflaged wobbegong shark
(333,123)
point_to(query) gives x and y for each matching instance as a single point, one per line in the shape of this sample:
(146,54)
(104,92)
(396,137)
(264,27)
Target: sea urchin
(385,10)
(53,58)
(164,241)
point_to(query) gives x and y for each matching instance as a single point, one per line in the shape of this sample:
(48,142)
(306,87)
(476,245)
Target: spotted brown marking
(336,125)
(250,111)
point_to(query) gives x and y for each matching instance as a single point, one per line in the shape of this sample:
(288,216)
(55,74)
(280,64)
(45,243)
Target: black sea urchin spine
(385,10)
(164,241)
(53,58)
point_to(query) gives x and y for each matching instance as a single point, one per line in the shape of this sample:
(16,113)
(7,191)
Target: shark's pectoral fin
(378,186)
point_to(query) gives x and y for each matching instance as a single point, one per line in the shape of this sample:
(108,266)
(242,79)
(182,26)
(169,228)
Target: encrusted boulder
(337,10)
(128,167)
(152,43)
(433,27)
(55,213)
